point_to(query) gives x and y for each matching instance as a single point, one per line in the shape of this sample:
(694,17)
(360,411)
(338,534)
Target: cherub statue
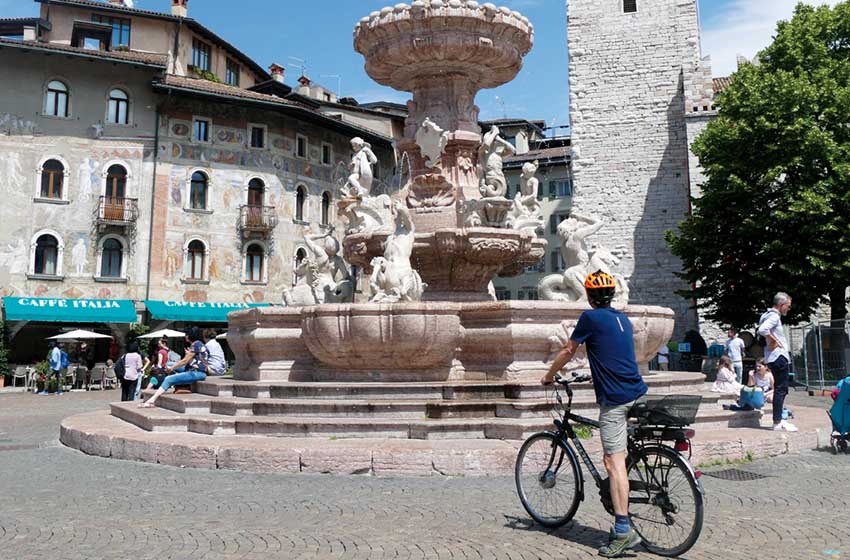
(359,182)
(493,148)
(525,213)
(393,278)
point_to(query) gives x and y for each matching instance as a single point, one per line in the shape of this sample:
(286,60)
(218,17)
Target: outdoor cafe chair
(20,372)
(109,378)
(69,373)
(32,379)
(96,378)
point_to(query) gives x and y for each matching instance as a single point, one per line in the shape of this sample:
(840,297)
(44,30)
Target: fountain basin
(382,337)
(457,264)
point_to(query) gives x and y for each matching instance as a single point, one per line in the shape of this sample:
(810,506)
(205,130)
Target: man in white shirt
(663,358)
(216,362)
(735,351)
(776,356)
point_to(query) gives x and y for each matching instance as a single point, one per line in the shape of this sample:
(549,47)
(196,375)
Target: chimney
(277,72)
(180,8)
(30,33)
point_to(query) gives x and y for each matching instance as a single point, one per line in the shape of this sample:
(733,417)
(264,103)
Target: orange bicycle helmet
(598,280)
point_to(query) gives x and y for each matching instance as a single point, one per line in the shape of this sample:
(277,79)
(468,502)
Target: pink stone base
(102,435)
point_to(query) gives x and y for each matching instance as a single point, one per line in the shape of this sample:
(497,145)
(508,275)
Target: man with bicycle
(617,382)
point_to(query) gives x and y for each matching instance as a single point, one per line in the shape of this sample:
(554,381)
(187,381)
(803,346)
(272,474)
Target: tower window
(629,6)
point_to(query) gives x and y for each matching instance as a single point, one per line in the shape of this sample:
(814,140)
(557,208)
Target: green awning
(60,310)
(195,312)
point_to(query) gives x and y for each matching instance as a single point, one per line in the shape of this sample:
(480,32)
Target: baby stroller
(840,416)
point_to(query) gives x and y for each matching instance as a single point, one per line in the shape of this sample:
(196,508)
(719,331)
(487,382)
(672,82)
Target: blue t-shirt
(201,355)
(607,335)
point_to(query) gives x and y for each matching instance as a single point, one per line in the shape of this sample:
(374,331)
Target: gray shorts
(613,427)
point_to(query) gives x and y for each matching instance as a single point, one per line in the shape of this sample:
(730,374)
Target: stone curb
(100,434)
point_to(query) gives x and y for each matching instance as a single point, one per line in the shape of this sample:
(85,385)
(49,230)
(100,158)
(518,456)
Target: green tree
(775,210)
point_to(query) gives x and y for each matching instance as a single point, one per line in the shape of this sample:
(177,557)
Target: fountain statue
(579,262)
(526,213)
(322,276)
(431,250)
(393,279)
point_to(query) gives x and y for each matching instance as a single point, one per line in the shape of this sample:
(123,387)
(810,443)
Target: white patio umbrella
(164,333)
(222,336)
(78,335)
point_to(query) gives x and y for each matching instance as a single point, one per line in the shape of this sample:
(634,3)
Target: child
(726,380)
(762,377)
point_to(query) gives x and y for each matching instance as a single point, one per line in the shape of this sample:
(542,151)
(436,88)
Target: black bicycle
(665,495)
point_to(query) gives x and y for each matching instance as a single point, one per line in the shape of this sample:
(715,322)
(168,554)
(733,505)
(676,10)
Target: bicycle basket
(668,410)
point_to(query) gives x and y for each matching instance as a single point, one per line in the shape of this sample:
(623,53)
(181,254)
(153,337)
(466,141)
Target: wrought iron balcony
(117,211)
(257,219)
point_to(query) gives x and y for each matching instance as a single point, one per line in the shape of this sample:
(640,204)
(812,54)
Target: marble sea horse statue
(579,262)
(526,213)
(363,212)
(393,277)
(322,276)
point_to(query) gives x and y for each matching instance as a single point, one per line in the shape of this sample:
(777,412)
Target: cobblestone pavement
(56,503)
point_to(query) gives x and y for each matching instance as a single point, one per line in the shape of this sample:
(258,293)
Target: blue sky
(320,32)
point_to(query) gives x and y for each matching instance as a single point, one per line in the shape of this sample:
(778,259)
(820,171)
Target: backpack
(63,360)
(173,358)
(118,367)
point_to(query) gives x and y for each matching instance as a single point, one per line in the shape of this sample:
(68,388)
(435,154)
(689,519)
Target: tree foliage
(774,213)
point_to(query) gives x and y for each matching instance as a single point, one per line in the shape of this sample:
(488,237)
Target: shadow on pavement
(573,531)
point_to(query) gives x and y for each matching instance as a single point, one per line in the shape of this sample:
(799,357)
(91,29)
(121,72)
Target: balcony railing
(257,219)
(117,211)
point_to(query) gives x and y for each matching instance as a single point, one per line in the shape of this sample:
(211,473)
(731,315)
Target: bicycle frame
(567,435)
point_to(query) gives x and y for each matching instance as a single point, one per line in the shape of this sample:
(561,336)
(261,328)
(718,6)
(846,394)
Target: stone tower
(629,61)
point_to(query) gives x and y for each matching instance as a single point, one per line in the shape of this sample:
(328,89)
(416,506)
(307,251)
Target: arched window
(198,191)
(116,181)
(254,257)
(300,255)
(46,255)
(256,192)
(119,107)
(111,259)
(52,176)
(195,260)
(300,196)
(326,208)
(56,100)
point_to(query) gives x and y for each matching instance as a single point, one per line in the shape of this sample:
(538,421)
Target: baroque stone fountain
(458,229)
(432,375)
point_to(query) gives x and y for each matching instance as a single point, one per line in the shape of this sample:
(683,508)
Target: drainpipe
(153,202)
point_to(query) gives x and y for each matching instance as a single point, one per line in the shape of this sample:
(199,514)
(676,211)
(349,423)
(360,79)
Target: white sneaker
(785,425)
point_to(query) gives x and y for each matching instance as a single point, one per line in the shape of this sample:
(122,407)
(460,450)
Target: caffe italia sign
(62,310)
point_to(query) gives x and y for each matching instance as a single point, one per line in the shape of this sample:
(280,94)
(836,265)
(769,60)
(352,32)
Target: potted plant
(42,371)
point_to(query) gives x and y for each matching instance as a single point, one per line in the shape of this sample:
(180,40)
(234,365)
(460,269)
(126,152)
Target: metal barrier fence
(820,353)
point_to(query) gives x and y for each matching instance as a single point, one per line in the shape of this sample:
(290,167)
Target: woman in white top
(133,367)
(762,377)
(726,381)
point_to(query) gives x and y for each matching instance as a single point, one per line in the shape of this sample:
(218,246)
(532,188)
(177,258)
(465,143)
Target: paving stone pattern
(57,503)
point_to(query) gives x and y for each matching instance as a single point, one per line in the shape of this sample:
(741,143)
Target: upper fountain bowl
(427,38)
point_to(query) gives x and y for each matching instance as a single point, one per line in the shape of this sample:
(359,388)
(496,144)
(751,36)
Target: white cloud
(745,27)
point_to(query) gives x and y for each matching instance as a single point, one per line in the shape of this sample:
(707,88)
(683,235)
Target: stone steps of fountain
(165,420)
(452,390)
(379,408)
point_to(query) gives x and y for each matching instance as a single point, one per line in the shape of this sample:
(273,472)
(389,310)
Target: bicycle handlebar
(576,378)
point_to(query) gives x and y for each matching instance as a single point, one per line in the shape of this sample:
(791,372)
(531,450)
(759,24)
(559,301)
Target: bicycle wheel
(547,480)
(665,501)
